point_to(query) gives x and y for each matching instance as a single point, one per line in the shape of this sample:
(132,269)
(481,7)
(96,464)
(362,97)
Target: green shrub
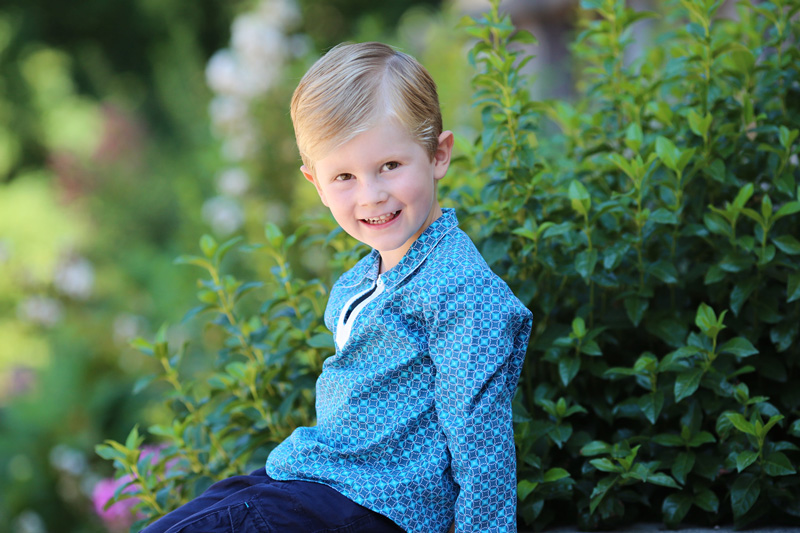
(651,225)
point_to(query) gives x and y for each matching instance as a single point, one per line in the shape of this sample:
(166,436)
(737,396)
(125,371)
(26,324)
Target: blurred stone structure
(553,22)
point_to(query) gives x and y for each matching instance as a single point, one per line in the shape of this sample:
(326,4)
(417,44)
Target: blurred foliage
(108,170)
(652,226)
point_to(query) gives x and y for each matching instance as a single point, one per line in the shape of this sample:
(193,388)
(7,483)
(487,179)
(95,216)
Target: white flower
(255,40)
(241,145)
(67,459)
(40,310)
(233,182)
(29,522)
(75,278)
(793,160)
(299,45)
(223,214)
(222,72)
(229,114)
(127,327)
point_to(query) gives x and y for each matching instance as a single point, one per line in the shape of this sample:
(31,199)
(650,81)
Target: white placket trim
(344,329)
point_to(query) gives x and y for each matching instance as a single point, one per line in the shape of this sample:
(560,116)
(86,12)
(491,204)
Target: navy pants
(256,503)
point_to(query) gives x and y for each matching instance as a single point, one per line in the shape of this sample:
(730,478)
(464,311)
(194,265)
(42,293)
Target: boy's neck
(391,258)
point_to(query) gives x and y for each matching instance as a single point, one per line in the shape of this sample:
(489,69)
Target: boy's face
(381,187)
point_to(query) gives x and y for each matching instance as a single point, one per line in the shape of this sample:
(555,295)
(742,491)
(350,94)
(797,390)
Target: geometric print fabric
(414,410)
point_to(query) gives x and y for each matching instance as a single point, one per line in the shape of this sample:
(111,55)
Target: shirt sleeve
(478,333)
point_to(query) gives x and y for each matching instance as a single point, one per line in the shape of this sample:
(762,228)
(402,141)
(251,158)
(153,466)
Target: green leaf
(651,405)
(193,260)
(793,287)
(585,263)
(664,216)
(777,464)
(714,274)
(745,459)
(741,423)
(605,465)
(525,487)
(739,346)
(595,447)
(750,213)
(634,136)
(744,194)
(741,293)
(787,244)
(591,348)
(766,207)
(675,507)
(665,271)
(659,478)
(554,474)
(635,308)
(579,327)
(109,453)
(703,437)
(600,490)
(683,464)
(687,383)
(208,245)
(707,501)
(142,383)
(321,340)
(669,439)
(743,60)
(133,441)
(744,493)
(579,196)
(787,136)
(789,208)
(274,235)
(667,152)
(705,318)
(568,368)
(225,247)
(561,433)
(698,124)
(774,419)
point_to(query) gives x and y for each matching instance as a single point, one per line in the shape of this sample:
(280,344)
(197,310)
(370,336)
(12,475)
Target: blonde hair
(352,87)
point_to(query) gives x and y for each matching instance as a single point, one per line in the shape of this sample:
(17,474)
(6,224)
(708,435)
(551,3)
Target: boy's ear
(310,177)
(441,159)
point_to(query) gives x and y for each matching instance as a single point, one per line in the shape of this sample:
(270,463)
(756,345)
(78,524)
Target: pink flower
(119,516)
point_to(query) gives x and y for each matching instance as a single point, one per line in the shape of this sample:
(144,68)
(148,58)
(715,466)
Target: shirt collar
(367,268)
(419,250)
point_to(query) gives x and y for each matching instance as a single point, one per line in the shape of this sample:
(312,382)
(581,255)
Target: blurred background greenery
(127,130)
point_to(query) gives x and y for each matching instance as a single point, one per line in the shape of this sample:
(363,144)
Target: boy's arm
(477,338)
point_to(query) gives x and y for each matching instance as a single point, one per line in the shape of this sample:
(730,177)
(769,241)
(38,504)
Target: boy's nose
(372,192)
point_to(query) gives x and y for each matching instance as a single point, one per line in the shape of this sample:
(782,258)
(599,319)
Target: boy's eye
(343,177)
(391,165)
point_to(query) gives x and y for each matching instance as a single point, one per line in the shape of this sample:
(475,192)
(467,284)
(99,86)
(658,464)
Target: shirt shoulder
(456,267)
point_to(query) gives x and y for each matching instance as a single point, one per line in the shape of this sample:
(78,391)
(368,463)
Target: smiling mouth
(383,219)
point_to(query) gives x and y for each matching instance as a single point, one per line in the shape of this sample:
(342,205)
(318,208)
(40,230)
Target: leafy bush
(652,227)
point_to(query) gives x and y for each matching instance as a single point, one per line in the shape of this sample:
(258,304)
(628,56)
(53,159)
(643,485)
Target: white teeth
(382,218)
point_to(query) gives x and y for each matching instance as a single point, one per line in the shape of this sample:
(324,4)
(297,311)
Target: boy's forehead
(334,142)
(388,139)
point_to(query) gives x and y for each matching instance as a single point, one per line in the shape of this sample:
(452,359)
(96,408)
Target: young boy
(414,429)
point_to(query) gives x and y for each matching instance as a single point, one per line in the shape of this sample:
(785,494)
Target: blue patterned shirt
(414,409)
